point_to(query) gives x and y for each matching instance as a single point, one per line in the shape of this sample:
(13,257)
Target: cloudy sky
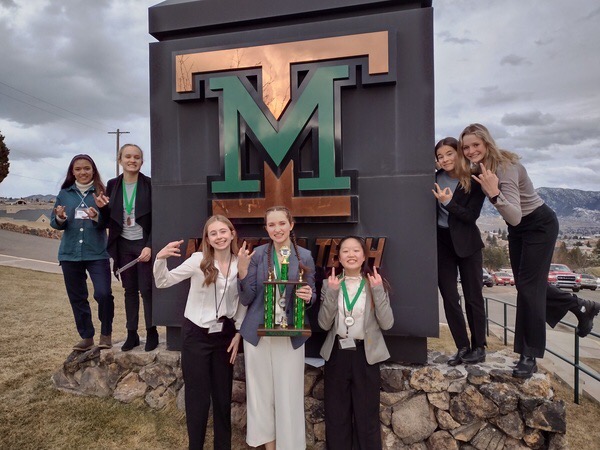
(71,71)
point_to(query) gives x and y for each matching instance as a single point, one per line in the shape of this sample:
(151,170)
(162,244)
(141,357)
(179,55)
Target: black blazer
(463,211)
(143,212)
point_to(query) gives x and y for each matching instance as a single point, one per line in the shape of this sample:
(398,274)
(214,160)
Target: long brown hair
(208,252)
(290,219)
(70,178)
(495,157)
(461,166)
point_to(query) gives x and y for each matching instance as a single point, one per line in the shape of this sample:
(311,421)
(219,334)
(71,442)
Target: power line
(54,106)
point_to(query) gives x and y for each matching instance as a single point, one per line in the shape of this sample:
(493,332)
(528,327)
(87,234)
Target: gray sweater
(517,196)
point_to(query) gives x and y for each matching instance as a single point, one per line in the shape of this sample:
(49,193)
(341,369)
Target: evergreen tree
(4,164)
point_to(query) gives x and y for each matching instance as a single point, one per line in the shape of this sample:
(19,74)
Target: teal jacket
(83,239)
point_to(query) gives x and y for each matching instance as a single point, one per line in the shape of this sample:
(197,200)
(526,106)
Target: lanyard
(218,306)
(128,203)
(348,304)
(278,273)
(82,197)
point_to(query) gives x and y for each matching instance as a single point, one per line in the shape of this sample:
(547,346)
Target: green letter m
(318,94)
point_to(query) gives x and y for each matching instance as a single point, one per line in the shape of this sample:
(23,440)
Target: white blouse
(356,331)
(201,306)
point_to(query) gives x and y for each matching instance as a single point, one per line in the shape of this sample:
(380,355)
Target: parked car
(487,279)
(588,282)
(503,278)
(563,277)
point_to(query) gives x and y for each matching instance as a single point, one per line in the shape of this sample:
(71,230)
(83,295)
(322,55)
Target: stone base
(434,406)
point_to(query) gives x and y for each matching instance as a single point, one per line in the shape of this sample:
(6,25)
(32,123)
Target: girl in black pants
(459,246)
(532,232)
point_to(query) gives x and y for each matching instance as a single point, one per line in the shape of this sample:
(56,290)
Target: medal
(128,221)
(349,321)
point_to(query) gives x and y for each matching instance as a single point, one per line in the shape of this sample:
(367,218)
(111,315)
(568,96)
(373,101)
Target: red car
(504,278)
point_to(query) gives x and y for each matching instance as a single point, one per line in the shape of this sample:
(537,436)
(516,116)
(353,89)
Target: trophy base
(286,332)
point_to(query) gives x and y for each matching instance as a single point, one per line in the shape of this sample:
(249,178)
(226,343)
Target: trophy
(278,286)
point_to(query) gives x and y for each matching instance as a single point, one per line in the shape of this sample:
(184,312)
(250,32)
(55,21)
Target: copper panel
(280,192)
(275,61)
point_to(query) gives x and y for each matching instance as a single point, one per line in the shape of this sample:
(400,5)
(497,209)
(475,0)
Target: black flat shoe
(585,313)
(133,340)
(457,358)
(526,367)
(475,356)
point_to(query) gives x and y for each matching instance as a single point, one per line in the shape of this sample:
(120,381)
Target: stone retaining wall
(422,407)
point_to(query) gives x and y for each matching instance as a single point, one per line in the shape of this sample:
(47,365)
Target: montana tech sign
(280,111)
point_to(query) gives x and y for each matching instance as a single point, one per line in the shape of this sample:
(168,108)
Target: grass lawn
(37,332)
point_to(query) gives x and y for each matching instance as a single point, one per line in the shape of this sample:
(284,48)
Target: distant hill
(577,211)
(42,198)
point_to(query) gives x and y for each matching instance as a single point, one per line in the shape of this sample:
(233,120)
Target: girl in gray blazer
(355,307)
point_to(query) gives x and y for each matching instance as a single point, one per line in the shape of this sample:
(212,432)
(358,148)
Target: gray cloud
(493,95)
(514,60)
(447,37)
(527,119)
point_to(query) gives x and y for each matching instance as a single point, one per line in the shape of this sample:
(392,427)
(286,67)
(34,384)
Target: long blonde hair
(208,252)
(495,156)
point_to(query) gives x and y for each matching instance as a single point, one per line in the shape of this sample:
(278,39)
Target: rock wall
(421,407)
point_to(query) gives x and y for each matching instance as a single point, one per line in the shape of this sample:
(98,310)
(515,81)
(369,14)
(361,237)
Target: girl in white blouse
(212,318)
(355,307)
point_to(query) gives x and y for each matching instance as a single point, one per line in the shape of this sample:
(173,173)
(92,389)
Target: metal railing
(575,363)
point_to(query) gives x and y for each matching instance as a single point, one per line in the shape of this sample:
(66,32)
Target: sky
(73,71)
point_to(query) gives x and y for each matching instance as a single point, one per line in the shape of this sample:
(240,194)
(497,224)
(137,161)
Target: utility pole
(118,133)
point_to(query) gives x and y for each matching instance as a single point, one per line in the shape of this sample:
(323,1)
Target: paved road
(29,252)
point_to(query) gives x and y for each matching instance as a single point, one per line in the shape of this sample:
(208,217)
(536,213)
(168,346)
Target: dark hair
(366,268)
(70,178)
(449,141)
(290,219)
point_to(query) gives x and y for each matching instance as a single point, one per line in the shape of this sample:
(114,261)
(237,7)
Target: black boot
(585,312)
(475,356)
(526,367)
(133,340)
(151,339)
(457,358)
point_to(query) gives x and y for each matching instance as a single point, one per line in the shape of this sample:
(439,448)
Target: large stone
(457,386)
(429,379)
(157,375)
(94,382)
(558,442)
(549,416)
(310,435)
(489,438)
(65,382)
(470,405)
(319,431)
(238,391)
(169,358)
(238,415)
(318,391)
(514,444)
(393,398)
(130,388)
(385,415)
(538,386)
(466,432)
(134,358)
(440,400)
(79,360)
(159,398)
(180,401)
(442,440)
(414,420)
(311,375)
(511,424)
(389,441)
(534,438)
(477,376)
(445,420)
(114,373)
(393,379)
(314,410)
(239,369)
(504,395)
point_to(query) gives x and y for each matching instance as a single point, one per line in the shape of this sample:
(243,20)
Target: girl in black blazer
(128,201)
(459,246)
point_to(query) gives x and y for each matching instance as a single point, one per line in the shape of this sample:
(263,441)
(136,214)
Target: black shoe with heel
(585,312)
(151,339)
(525,368)
(457,358)
(133,340)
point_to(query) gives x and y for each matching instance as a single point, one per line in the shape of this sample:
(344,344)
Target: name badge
(216,328)
(81,213)
(347,343)
(130,221)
